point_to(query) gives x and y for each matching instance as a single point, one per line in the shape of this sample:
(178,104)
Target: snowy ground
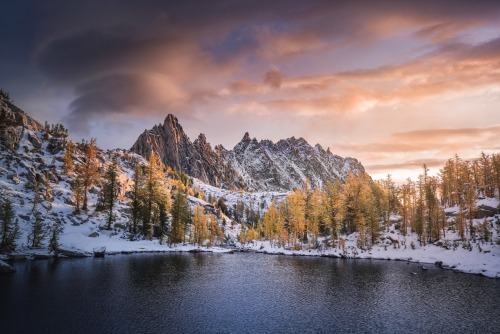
(257,200)
(484,260)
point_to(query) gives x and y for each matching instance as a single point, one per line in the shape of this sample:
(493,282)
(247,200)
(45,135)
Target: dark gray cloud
(121,57)
(121,95)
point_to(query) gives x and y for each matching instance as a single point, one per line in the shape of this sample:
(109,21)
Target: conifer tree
(485,230)
(153,194)
(486,174)
(137,203)
(281,230)
(36,190)
(297,215)
(164,207)
(331,205)
(221,204)
(110,190)
(419,217)
(460,224)
(37,233)
(180,216)
(68,157)
(495,162)
(77,188)
(469,193)
(407,193)
(214,230)
(89,170)
(9,231)
(200,230)
(270,221)
(54,240)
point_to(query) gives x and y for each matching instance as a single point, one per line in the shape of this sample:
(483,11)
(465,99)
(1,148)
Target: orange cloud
(454,135)
(406,165)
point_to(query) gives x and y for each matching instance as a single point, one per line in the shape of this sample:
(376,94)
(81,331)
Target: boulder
(6,268)
(24,217)
(120,226)
(484,211)
(47,205)
(73,252)
(93,235)
(34,140)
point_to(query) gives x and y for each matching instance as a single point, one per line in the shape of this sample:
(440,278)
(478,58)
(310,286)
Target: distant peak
(246,137)
(171,119)
(171,122)
(202,138)
(170,116)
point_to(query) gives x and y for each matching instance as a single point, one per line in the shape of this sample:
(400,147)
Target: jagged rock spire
(249,165)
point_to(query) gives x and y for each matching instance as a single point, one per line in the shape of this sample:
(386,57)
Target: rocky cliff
(197,158)
(251,164)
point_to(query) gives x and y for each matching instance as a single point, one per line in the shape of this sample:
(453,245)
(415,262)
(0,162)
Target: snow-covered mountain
(33,179)
(251,164)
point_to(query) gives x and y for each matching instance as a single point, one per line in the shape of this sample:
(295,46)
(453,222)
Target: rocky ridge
(251,165)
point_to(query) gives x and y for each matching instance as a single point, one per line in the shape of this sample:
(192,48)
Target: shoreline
(260,248)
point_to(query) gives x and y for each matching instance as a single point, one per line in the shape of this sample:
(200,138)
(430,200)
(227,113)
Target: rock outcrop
(251,164)
(197,158)
(13,124)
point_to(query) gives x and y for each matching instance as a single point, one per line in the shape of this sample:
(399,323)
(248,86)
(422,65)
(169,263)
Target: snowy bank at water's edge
(485,263)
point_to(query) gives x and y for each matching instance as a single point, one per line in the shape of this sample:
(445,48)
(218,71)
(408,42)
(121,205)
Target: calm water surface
(243,293)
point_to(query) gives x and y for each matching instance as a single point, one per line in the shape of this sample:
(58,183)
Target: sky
(394,84)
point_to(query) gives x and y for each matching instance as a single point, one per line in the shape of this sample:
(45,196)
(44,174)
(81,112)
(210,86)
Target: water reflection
(214,293)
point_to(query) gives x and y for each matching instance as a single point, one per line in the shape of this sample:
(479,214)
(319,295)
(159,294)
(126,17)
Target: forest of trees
(159,208)
(158,197)
(365,206)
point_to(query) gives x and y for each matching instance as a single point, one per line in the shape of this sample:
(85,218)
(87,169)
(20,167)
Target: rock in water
(99,251)
(6,268)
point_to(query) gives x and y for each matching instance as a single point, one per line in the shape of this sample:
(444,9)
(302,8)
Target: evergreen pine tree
(180,217)
(137,198)
(111,187)
(54,240)
(89,170)
(37,233)
(68,157)
(77,188)
(9,231)
(163,219)
(153,193)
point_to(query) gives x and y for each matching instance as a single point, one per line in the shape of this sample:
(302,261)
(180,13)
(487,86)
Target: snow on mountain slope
(250,165)
(32,158)
(287,164)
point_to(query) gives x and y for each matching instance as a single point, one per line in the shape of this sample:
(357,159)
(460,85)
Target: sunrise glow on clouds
(392,83)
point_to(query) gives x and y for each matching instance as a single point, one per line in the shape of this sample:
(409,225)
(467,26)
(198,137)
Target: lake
(243,293)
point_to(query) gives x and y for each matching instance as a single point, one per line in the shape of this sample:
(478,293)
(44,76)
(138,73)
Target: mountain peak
(246,137)
(13,115)
(171,119)
(253,165)
(202,138)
